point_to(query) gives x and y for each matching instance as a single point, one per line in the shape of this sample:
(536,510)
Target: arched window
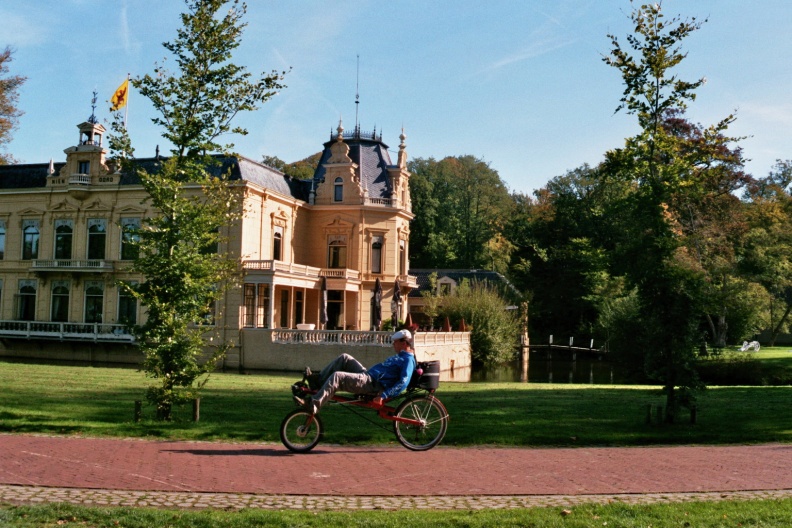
(30,240)
(338,190)
(26,300)
(337,250)
(59,311)
(63,240)
(277,243)
(97,234)
(129,238)
(94,301)
(127,307)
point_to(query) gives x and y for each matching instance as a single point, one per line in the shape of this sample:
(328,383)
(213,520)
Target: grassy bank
(768,513)
(100,402)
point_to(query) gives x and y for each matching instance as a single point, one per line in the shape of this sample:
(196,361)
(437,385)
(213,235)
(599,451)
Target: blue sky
(519,84)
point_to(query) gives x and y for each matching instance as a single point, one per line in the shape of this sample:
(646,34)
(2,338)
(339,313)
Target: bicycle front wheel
(300,431)
(432,418)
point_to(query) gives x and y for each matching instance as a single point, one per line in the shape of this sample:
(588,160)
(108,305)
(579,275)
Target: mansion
(64,244)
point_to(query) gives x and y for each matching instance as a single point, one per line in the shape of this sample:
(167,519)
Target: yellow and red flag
(120,97)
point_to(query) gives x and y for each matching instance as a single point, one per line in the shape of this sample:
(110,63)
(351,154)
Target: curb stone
(102,498)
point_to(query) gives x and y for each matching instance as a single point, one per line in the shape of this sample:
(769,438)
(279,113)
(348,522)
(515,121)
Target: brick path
(236,475)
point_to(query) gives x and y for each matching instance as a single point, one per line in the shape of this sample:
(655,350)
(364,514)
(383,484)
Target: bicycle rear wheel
(433,418)
(300,431)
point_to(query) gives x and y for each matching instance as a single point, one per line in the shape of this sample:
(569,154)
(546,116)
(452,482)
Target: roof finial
(93,119)
(340,130)
(357,93)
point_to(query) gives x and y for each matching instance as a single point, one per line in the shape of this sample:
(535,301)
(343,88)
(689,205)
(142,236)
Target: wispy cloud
(532,50)
(124,30)
(22,30)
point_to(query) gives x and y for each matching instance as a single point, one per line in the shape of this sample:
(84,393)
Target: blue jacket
(394,373)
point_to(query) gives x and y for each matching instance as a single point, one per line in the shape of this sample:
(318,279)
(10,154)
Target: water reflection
(556,369)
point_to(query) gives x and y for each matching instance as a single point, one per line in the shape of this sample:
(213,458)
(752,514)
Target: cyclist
(387,379)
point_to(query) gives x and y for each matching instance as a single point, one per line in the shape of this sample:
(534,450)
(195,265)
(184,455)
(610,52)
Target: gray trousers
(346,374)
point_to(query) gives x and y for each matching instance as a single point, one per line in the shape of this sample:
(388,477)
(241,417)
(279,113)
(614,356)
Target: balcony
(86,266)
(109,333)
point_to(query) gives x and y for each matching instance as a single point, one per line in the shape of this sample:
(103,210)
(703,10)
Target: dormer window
(338,190)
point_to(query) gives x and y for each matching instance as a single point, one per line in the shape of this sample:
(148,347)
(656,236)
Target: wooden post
(525,343)
(196,409)
(138,410)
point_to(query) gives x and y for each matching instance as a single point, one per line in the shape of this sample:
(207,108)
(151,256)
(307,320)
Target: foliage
(683,176)
(494,331)
(432,300)
(9,97)
(300,170)
(461,206)
(767,253)
(184,272)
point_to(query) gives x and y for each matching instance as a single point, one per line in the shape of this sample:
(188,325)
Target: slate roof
(25,176)
(371,155)
(35,175)
(458,275)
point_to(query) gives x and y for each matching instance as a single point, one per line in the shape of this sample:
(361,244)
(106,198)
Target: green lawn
(100,402)
(766,513)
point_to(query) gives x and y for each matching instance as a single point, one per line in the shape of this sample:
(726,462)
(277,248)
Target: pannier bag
(430,378)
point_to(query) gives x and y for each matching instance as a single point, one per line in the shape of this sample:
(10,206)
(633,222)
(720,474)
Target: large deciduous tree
(9,97)
(670,180)
(461,207)
(184,272)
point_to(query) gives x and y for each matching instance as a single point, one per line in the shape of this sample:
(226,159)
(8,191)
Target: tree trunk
(777,329)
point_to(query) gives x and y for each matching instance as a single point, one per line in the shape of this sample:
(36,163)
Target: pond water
(543,369)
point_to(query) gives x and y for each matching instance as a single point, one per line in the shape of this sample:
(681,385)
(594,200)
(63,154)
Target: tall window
(2,239)
(338,190)
(284,309)
(277,243)
(337,250)
(30,239)
(94,301)
(249,315)
(127,308)
(97,235)
(402,257)
(84,167)
(63,239)
(263,299)
(59,312)
(376,254)
(129,238)
(26,300)
(298,307)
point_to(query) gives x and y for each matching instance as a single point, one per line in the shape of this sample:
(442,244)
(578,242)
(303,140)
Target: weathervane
(357,93)
(93,119)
